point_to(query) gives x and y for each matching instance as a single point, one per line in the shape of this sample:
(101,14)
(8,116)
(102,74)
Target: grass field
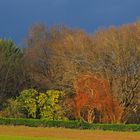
(27,138)
(28,133)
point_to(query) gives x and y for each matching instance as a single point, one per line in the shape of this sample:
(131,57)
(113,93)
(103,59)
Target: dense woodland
(67,74)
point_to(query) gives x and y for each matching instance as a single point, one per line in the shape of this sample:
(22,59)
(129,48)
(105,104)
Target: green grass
(28,138)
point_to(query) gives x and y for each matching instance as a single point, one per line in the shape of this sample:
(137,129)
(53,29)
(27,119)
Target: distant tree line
(64,73)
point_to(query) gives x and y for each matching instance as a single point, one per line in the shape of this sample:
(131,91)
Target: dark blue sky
(16,16)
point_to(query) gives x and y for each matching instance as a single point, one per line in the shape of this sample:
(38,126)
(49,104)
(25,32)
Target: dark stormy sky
(16,16)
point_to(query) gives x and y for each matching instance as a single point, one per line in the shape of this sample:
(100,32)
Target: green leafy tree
(28,102)
(41,105)
(52,108)
(11,70)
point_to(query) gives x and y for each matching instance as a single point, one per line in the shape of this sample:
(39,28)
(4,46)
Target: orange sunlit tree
(94,101)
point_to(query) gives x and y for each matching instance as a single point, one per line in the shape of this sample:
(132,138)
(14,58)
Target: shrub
(52,108)
(28,102)
(69,124)
(11,109)
(41,105)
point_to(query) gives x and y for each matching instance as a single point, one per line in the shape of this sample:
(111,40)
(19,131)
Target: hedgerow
(68,124)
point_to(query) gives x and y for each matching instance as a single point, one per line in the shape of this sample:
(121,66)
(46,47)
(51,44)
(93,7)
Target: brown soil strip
(68,133)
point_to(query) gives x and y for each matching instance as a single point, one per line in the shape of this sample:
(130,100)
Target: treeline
(64,73)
